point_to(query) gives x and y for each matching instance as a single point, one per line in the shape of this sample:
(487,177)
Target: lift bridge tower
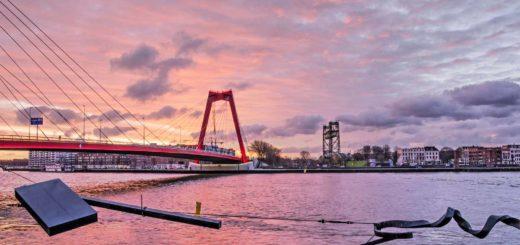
(331,142)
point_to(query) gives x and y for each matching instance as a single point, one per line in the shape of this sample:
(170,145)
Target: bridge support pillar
(215,96)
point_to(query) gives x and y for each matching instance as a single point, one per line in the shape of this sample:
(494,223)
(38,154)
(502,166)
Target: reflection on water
(363,197)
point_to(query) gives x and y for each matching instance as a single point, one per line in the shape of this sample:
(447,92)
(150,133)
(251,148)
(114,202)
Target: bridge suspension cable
(9,125)
(26,114)
(61,72)
(180,120)
(60,58)
(48,76)
(186,120)
(80,67)
(43,97)
(70,67)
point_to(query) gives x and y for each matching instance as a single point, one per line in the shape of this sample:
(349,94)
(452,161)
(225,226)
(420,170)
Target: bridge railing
(75,140)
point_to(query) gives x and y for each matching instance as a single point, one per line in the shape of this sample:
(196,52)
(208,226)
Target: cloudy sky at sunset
(392,72)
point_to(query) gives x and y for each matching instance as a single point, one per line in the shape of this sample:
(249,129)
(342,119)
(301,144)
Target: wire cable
(45,99)
(72,69)
(61,72)
(82,69)
(6,83)
(48,76)
(9,125)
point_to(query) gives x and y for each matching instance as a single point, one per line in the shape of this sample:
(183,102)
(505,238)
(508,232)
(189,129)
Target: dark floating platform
(150,212)
(55,206)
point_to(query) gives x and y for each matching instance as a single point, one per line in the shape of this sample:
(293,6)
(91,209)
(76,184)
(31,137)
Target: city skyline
(396,73)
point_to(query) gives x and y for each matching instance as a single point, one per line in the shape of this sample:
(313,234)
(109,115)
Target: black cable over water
(348,222)
(450,214)
(19,175)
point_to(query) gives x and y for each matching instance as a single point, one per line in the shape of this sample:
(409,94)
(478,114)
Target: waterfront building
(511,154)
(431,155)
(40,159)
(492,156)
(428,155)
(85,160)
(469,156)
(488,156)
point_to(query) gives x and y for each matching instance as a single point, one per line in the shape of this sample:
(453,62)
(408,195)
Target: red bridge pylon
(215,96)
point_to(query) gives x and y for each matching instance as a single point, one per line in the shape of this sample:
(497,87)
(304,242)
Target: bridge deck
(149,150)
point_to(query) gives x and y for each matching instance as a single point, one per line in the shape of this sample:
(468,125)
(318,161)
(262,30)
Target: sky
(402,73)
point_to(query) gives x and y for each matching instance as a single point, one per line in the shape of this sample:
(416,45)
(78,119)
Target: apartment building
(492,156)
(469,156)
(428,155)
(40,159)
(510,154)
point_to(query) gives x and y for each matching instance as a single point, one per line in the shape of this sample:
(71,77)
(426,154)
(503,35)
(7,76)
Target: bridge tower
(215,96)
(331,142)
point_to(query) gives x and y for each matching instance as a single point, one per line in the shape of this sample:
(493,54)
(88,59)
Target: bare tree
(305,156)
(266,151)
(366,152)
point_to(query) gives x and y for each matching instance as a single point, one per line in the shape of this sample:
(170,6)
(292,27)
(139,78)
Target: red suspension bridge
(23,92)
(13,142)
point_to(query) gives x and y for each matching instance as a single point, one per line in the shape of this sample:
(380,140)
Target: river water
(369,197)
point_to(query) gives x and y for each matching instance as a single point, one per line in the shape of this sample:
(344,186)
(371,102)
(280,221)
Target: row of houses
(57,161)
(479,155)
(462,156)
(84,160)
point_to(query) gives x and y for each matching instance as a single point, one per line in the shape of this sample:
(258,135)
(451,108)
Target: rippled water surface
(363,197)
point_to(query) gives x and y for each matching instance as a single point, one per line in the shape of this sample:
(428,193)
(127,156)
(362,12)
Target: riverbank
(308,171)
